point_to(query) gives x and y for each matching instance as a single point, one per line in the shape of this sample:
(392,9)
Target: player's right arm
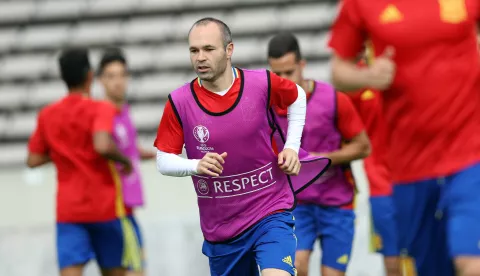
(169,144)
(102,135)
(37,146)
(348,37)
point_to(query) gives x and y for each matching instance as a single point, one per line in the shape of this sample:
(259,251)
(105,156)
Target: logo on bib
(202,186)
(201,133)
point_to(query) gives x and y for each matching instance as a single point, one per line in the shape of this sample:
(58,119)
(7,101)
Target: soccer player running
(113,75)
(243,190)
(384,230)
(75,133)
(428,67)
(324,209)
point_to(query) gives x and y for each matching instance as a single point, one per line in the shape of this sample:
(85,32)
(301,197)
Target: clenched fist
(288,161)
(382,72)
(211,164)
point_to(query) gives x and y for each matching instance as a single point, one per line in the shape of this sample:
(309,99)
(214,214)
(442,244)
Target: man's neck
(305,84)
(118,103)
(79,91)
(222,83)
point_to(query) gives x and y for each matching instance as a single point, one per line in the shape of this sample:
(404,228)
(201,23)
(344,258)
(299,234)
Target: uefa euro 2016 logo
(202,186)
(201,134)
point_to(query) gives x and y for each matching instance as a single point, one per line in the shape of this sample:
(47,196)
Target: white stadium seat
(307,15)
(96,32)
(247,50)
(139,57)
(147,115)
(21,124)
(158,85)
(45,93)
(148,5)
(12,154)
(3,125)
(111,7)
(44,36)
(16,10)
(8,38)
(148,28)
(23,66)
(12,96)
(60,8)
(254,20)
(318,71)
(182,24)
(171,55)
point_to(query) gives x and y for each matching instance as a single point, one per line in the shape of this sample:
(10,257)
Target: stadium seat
(23,66)
(96,32)
(314,44)
(21,125)
(12,97)
(51,36)
(175,55)
(183,23)
(247,50)
(307,16)
(318,71)
(8,38)
(16,11)
(98,7)
(60,8)
(147,116)
(11,154)
(45,93)
(158,85)
(254,20)
(148,5)
(153,28)
(139,57)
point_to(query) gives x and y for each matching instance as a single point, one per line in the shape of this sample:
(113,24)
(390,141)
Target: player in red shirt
(75,134)
(384,235)
(428,67)
(332,225)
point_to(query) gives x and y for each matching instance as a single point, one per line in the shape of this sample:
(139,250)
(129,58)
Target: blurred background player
(75,133)
(428,67)
(113,75)
(384,229)
(225,110)
(324,209)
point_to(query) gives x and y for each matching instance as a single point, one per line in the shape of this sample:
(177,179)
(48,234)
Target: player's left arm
(287,94)
(351,128)
(37,147)
(146,154)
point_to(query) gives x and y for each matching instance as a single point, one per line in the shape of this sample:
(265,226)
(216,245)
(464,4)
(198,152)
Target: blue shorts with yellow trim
(438,220)
(268,244)
(334,227)
(115,243)
(384,226)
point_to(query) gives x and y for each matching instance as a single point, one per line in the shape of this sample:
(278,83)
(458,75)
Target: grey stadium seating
(153,35)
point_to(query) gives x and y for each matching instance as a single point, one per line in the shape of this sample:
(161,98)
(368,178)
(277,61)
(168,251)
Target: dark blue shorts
(384,226)
(113,244)
(335,228)
(439,219)
(268,244)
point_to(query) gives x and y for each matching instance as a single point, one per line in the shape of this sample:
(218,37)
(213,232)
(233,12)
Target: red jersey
(432,107)
(368,104)
(88,187)
(170,134)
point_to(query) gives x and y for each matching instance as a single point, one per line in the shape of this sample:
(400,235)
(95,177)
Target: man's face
(114,79)
(288,67)
(208,55)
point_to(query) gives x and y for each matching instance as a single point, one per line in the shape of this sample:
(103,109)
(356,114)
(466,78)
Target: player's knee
(301,262)
(468,266)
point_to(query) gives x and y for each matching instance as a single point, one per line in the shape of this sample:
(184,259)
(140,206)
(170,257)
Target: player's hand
(211,164)
(127,167)
(288,161)
(382,72)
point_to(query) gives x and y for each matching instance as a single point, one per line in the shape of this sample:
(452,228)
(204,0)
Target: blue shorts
(113,244)
(335,228)
(384,226)
(268,244)
(438,219)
